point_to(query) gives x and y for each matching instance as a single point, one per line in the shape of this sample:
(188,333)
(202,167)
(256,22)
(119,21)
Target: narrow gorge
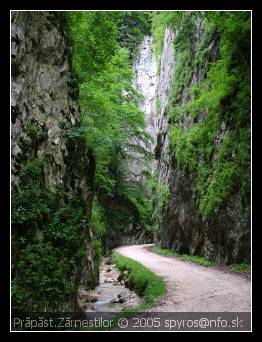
(128,128)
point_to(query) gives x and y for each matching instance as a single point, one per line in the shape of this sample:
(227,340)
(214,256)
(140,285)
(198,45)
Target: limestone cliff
(44,112)
(223,234)
(144,81)
(41,92)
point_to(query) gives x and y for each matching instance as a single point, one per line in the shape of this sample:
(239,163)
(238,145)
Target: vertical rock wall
(162,154)
(41,92)
(44,109)
(146,81)
(224,235)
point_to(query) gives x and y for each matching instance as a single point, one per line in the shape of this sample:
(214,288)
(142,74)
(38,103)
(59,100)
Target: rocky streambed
(111,295)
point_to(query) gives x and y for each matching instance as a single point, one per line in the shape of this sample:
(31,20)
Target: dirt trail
(191,287)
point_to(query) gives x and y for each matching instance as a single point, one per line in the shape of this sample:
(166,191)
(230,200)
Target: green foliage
(48,241)
(111,116)
(94,40)
(201,260)
(198,260)
(33,170)
(142,280)
(240,267)
(97,219)
(107,98)
(158,105)
(185,257)
(47,245)
(41,278)
(97,253)
(221,98)
(27,214)
(161,20)
(35,133)
(159,200)
(164,251)
(109,104)
(132,27)
(99,230)
(48,232)
(142,205)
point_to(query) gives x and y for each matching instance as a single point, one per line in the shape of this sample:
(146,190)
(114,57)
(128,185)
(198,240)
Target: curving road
(191,287)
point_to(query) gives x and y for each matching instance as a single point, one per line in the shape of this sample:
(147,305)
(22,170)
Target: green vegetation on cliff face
(52,174)
(216,106)
(50,228)
(111,116)
(243,267)
(142,280)
(132,27)
(48,241)
(96,188)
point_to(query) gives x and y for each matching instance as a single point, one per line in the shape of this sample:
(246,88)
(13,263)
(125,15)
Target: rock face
(162,154)
(44,109)
(145,82)
(41,91)
(224,235)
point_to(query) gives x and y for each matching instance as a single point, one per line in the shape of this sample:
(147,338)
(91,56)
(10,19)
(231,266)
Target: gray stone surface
(43,95)
(40,90)
(225,236)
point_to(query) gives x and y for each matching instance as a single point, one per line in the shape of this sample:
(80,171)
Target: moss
(158,104)
(163,251)
(44,268)
(216,161)
(201,260)
(48,242)
(240,267)
(159,200)
(35,136)
(142,280)
(35,132)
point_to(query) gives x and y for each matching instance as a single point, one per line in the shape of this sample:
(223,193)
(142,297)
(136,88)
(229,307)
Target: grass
(147,284)
(198,260)
(144,282)
(240,267)
(163,251)
(201,260)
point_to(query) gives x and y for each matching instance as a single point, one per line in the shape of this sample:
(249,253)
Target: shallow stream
(111,295)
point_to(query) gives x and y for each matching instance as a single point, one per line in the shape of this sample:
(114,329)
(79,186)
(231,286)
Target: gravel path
(192,287)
